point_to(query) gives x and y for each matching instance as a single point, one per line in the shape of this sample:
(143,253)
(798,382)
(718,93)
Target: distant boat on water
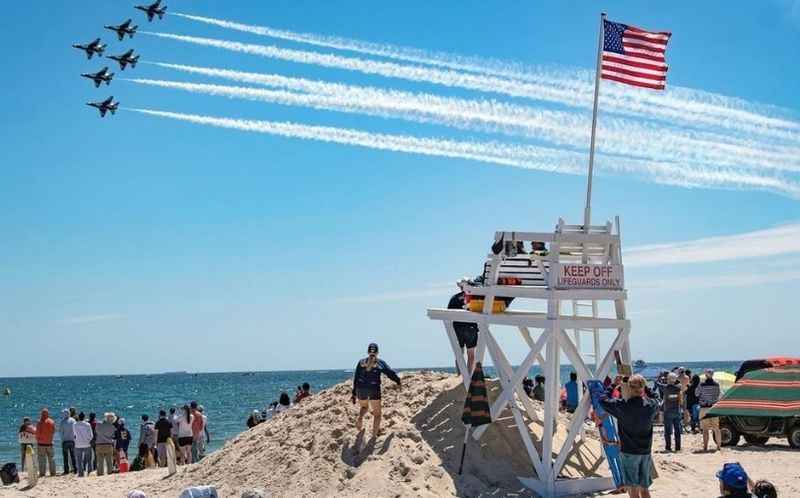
(7,391)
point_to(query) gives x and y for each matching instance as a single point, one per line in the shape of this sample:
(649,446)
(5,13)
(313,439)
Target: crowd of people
(636,410)
(282,404)
(101,446)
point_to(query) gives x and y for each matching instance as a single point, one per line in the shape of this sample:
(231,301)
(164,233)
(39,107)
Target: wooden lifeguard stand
(579,272)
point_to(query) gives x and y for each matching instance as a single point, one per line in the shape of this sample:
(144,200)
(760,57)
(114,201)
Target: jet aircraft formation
(128,58)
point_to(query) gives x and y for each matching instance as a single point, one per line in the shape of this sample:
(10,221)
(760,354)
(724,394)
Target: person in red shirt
(304,393)
(198,433)
(45,430)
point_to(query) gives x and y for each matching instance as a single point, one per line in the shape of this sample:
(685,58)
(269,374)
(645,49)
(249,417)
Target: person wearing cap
(367,387)
(707,394)
(66,429)
(733,481)
(672,406)
(466,332)
(105,443)
(635,416)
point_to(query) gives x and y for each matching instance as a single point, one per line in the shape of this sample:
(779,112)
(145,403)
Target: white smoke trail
(712,108)
(520,156)
(562,128)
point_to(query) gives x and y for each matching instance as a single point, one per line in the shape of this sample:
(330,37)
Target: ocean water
(228,398)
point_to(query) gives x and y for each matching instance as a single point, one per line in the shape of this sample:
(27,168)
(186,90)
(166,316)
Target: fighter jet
(154,9)
(99,77)
(92,48)
(105,106)
(125,59)
(123,29)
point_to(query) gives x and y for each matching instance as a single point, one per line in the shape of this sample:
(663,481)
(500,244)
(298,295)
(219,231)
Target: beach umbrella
(476,408)
(769,392)
(725,380)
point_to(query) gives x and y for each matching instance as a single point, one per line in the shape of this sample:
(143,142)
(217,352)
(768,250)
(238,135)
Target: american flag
(634,56)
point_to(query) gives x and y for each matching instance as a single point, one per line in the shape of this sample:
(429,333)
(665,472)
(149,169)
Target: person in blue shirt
(367,387)
(572,392)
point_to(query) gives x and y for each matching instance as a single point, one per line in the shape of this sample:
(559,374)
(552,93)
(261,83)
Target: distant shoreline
(402,369)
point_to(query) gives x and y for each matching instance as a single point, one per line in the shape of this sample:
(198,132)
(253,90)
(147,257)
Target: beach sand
(314,450)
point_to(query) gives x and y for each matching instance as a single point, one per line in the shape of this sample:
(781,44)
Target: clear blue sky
(137,244)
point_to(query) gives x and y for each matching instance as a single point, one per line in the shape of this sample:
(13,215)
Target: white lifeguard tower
(578,279)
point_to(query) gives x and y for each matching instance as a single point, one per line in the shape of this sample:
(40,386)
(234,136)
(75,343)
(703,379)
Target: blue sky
(141,244)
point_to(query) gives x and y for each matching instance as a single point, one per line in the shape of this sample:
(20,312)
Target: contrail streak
(517,155)
(562,128)
(713,108)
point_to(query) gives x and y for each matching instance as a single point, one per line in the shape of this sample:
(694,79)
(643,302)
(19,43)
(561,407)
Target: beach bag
(138,464)
(199,492)
(8,474)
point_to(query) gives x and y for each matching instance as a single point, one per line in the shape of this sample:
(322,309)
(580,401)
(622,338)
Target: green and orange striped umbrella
(769,392)
(476,408)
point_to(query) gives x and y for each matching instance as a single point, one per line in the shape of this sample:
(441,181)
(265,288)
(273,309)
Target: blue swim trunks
(636,470)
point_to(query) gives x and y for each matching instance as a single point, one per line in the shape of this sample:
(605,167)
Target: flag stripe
(619,79)
(644,36)
(654,34)
(635,73)
(635,42)
(632,61)
(644,72)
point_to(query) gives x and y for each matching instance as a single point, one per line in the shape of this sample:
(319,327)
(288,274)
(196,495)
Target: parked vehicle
(763,403)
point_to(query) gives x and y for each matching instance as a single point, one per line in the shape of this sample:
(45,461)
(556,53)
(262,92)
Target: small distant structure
(579,282)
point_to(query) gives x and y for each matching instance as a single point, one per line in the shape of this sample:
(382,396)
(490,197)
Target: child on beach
(367,387)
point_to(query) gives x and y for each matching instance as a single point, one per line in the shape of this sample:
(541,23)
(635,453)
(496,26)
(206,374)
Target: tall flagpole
(587,213)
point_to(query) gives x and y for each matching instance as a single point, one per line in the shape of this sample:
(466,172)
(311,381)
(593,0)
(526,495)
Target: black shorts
(368,392)
(185,441)
(467,334)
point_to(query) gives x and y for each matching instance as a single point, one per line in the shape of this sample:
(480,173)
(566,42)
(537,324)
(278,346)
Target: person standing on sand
(66,428)
(197,431)
(163,433)
(93,425)
(83,445)
(693,403)
(205,437)
(185,422)
(27,438)
(707,394)
(635,417)
(672,406)
(367,387)
(572,392)
(174,420)
(122,436)
(104,444)
(45,430)
(466,332)
(147,437)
